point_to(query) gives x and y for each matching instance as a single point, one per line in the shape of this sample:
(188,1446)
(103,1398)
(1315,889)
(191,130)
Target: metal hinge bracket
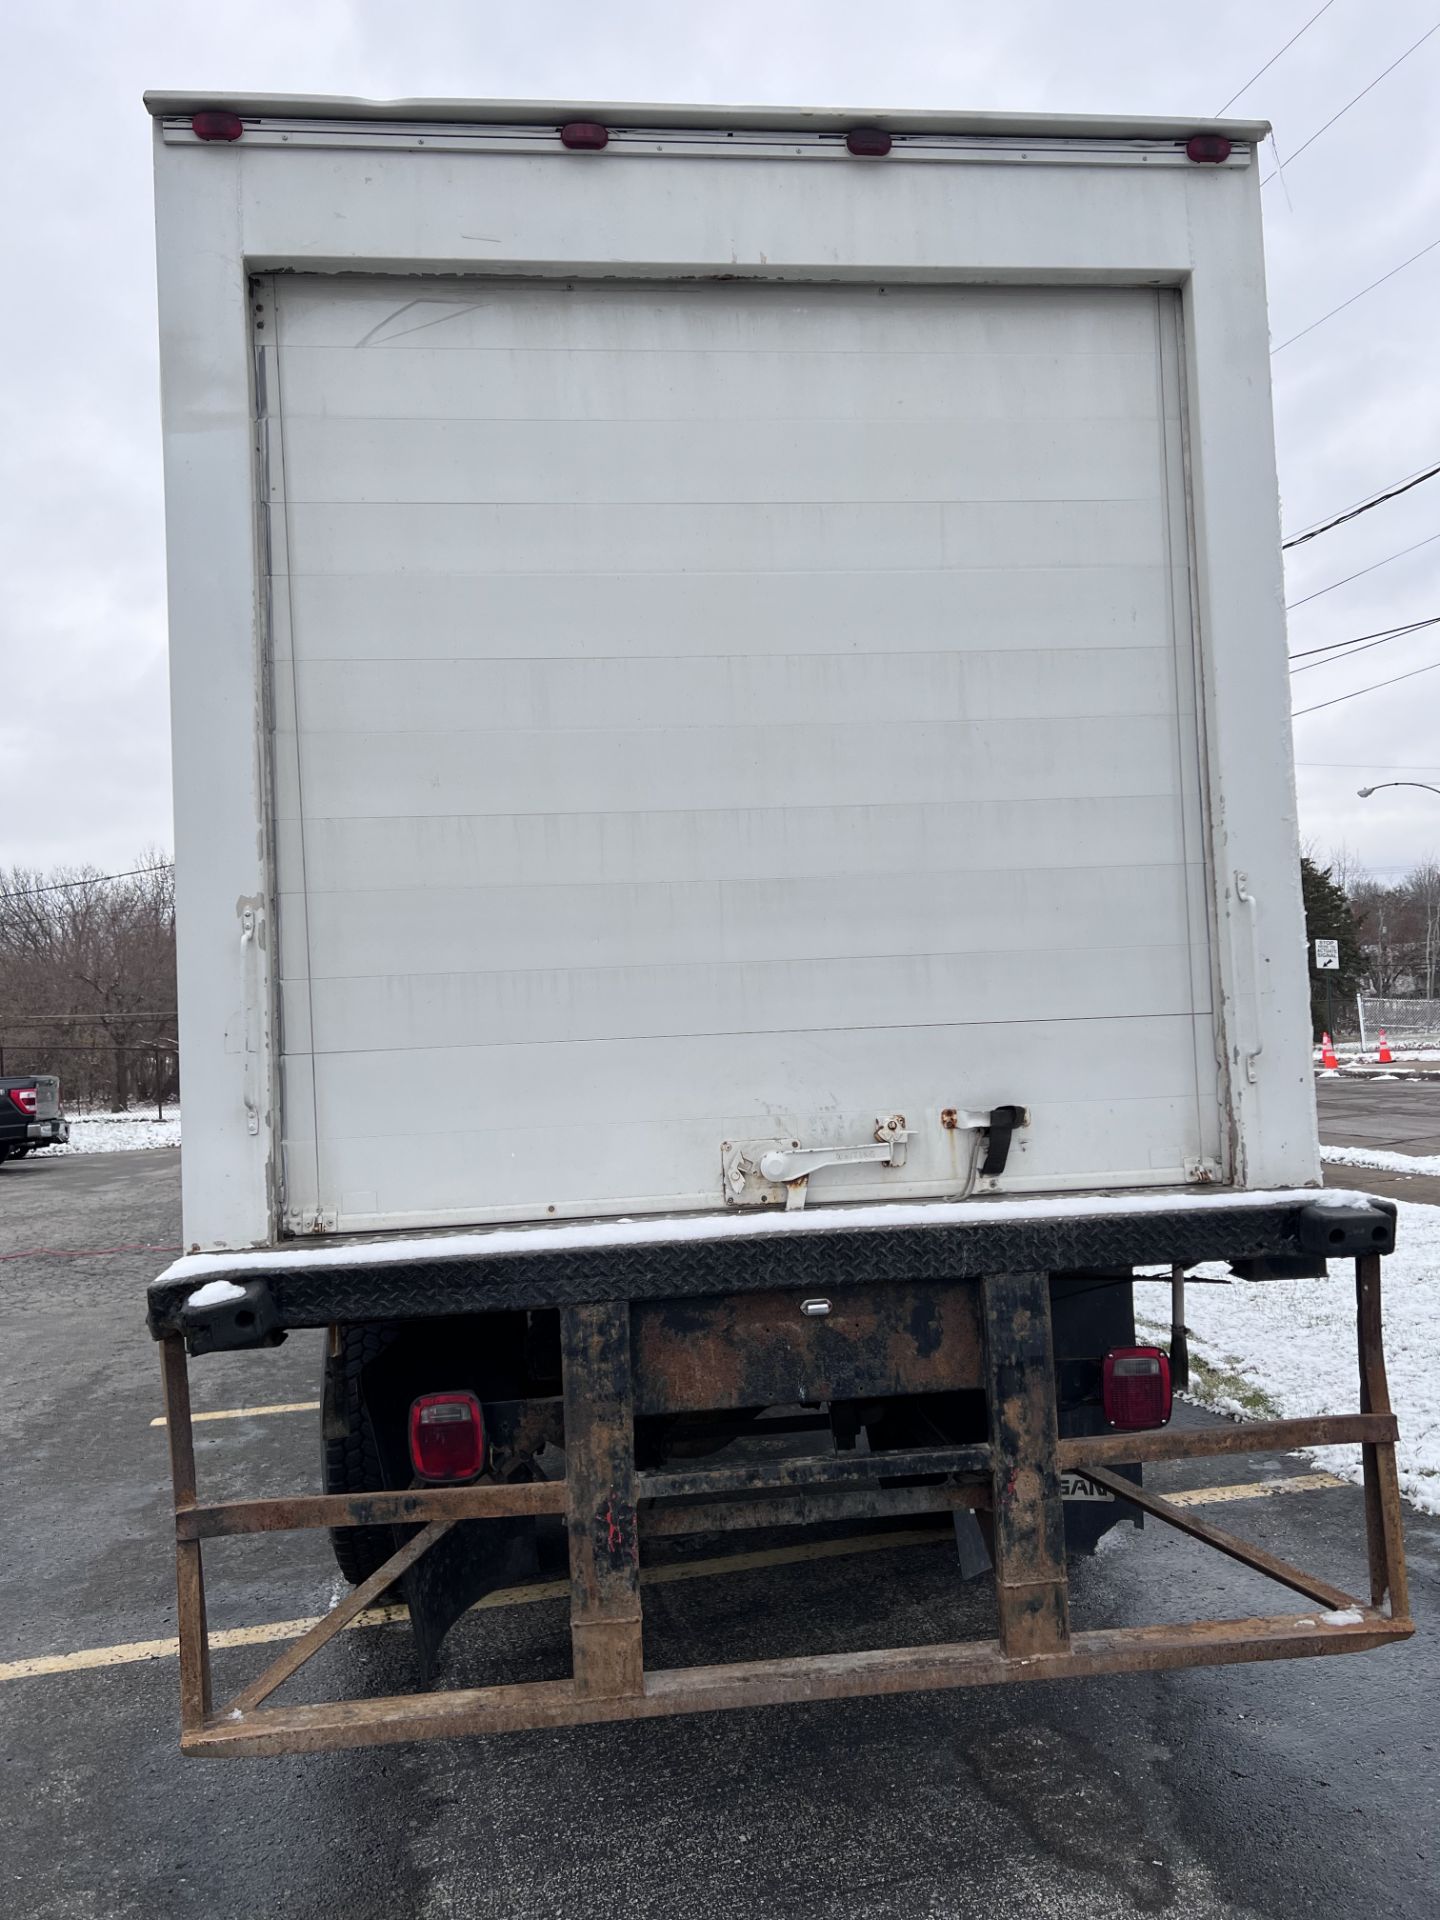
(311,1220)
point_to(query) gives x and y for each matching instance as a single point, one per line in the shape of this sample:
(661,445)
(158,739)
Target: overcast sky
(84,772)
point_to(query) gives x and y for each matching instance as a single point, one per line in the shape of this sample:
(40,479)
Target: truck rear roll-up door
(716,713)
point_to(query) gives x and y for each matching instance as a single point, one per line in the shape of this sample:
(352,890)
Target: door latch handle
(748,1164)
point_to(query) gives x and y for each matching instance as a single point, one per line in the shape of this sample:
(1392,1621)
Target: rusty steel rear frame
(996,1332)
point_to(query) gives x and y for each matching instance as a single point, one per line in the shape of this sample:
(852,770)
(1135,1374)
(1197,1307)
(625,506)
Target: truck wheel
(349,1453)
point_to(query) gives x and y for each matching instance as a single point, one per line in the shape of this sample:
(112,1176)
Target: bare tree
(1345,867)
(1400,931)
(87,977)
(1422,890)
(1375,910)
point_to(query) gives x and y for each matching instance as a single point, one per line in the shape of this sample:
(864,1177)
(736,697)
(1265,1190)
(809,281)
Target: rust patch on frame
(765,1350)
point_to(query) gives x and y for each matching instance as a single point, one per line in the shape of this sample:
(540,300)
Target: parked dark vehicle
(30,1115)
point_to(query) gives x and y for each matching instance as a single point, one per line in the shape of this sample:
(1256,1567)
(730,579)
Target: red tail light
(1137,1387)
(1213,147)
(871,142)
(23,1098)
(447,1436)
(214,125)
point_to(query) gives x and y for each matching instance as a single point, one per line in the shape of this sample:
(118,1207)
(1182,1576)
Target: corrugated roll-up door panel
(720,713)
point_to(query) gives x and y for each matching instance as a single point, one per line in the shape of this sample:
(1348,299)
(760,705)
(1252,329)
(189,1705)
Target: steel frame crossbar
(608,1506)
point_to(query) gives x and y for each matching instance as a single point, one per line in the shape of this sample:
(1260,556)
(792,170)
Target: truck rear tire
(349,1451)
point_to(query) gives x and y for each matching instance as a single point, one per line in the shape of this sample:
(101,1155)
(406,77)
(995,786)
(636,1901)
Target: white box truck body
(736,855)
(720,640)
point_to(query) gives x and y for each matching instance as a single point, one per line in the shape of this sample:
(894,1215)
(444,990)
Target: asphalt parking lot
(1398,1116)
(1276,1791)
(1393,1116)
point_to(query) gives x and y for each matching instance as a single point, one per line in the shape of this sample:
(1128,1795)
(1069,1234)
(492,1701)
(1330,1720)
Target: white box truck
(736,852)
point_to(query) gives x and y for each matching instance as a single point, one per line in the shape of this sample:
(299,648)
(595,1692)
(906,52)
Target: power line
(1351,650)
(8,1020)
(92,880)
(1364,506)
(48,1047)
(1339,659)
(1355,101)
(1374,687)
(1354,297)
(1358,640)
(1382,633)
(1273,58)
(1371,766)
(1374,567)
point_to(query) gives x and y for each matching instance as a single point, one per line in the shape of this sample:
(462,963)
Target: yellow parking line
(1253,1490)
(250,1413)
(136,1652)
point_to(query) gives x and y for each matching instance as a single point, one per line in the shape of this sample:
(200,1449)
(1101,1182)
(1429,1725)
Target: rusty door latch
(759,1170)
(763,1172)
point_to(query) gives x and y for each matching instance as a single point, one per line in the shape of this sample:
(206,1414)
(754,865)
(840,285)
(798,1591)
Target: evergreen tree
(1328,917)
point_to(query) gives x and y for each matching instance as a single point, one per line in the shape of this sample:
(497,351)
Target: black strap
(1003,1122)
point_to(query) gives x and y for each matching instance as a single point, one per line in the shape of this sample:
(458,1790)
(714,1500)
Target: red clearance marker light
(1137,1387)
(869,142)
(1208,146)
(584,133)
(447,1436)
(216,126)
(23,1098)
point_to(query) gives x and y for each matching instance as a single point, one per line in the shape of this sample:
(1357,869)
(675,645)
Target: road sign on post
(1327,956)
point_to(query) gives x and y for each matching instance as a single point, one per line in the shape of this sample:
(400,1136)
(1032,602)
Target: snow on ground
(1351,1051)
(1285,1349)
(1382,1158)
(121,1132)
(1404,1063)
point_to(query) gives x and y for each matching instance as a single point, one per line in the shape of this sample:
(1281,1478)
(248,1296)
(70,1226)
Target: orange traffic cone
(1328,1055)
(1385,1057)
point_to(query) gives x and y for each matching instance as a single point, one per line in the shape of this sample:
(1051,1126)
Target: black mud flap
(475,1558)
(1088,1520)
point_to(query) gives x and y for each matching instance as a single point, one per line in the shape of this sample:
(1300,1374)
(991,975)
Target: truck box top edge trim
(166,104)
(1291,1233)
(664,1230)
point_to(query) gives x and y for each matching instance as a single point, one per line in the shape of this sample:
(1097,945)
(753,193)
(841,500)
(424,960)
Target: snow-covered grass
(1380,1157)
(1285,1349)
(1371,1070)
(121,1132)
(1352,1053)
